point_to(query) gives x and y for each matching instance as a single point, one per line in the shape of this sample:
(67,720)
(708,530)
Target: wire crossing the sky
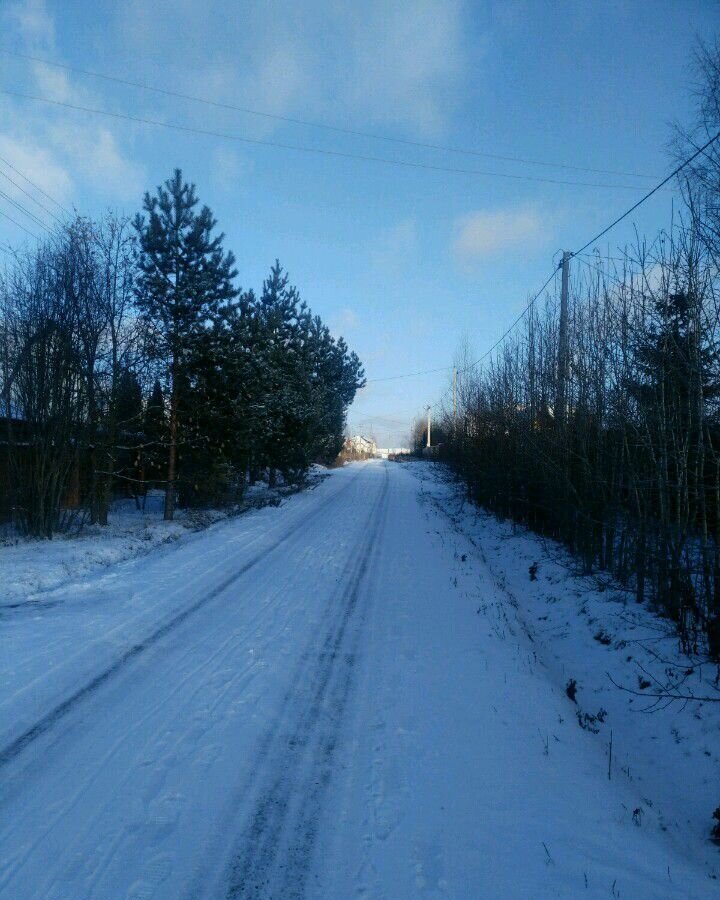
(584,247)
(206,132)
(36,186)
(29,196)
(336,153)
(320,125)
(649,194)
(4,215)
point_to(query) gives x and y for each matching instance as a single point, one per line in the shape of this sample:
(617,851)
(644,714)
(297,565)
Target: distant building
(387,452)
(359,447)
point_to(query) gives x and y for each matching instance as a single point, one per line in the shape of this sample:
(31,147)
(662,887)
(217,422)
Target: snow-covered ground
(355,694)
(28,568)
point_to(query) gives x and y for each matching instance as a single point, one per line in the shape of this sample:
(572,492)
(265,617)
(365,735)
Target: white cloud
(383,65)
(64,153)
(32,22)
(53,83)
(381,62)
(407,61)
(486,232)
(105,167)
(37,164)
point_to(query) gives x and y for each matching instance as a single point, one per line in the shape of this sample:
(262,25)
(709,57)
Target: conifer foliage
(156,370)
(184,277)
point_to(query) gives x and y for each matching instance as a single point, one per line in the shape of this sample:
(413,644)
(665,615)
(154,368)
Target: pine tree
(185,276)
(308,380)
(155,430)
(127,402)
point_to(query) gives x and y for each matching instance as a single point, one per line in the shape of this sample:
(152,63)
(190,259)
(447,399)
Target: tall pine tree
(185,277)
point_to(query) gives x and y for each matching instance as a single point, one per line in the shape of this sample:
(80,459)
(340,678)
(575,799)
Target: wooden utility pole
(562,362)
(428,425)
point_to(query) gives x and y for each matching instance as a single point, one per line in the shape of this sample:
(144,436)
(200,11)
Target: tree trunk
(172,454)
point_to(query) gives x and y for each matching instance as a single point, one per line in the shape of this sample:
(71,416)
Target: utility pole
(428,429)
(562,362)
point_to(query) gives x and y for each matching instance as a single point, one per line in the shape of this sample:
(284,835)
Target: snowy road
(316,700)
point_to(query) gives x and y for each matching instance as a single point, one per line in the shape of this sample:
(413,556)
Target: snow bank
(28,568)
(615,656)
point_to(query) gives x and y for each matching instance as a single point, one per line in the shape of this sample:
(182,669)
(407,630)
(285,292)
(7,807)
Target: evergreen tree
(185,276)
(155,420)
(673,359)
(127,402)
(155,430)
(308,379)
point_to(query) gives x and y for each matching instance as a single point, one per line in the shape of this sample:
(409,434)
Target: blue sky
(403,262)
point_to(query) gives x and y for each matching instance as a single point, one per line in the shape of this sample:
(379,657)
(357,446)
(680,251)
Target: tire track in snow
(178,686)
(278,841)
(45,723)
(137,679)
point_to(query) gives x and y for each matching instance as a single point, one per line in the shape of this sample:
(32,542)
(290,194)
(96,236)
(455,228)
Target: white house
(360,446)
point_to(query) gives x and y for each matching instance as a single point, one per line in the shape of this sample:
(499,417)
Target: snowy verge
(29,568)
(614,657)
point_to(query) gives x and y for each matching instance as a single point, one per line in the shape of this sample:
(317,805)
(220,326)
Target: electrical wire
(336,153)
(36,186)
(487,352)
(33,218)
(516,322)
(22,227)
(647,196)
(316,150)
(30,196)
(577,253)
(408,375)
(310,124)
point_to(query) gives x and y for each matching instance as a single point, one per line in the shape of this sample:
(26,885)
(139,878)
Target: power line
(484,356)
(22,227)
(657,187)
(37,187)
(517,320)
(310,124)
(29,196)
(597,269)
(317,150)
(33,218)
(649,194)
(408,375)
(603,257)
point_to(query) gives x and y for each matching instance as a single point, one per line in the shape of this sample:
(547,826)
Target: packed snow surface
(359,693)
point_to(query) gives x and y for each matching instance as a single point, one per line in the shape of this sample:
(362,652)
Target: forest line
(130,359)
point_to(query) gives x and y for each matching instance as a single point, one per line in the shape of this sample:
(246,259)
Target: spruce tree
(185,276)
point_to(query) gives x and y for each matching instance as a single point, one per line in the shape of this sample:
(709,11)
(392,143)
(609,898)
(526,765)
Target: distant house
(359,447)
